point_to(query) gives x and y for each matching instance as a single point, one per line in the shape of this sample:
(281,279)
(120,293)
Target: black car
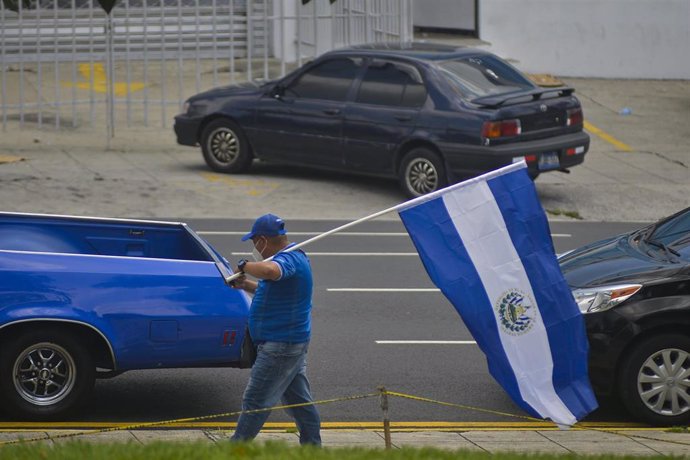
(427,114)
(634,291)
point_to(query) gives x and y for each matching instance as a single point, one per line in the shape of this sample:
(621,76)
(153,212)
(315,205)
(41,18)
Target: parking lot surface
(637,169)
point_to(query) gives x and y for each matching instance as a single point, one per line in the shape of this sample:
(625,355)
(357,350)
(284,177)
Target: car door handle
(331,111)
(403,117)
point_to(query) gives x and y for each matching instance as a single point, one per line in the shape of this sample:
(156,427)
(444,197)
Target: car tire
(422,171)
(648,388)
(225,147)
(44,374)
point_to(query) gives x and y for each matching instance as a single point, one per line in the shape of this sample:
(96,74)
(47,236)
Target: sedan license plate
(549,161)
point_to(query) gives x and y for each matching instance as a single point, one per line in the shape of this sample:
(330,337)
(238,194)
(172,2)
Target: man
(280,325)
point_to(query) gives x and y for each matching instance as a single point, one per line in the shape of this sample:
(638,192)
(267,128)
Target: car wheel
(44,373)
(225,147)
(421,172)
(655,380)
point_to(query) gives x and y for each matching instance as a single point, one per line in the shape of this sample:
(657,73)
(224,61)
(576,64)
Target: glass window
(675,231)
(478,76)
(394,84)
(330,80)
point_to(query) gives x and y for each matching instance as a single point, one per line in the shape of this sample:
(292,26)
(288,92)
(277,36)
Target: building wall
(445,14)
(591,38)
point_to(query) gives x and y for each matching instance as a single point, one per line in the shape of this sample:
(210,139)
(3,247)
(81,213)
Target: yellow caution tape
(191,419)
(381,392)
(574,427)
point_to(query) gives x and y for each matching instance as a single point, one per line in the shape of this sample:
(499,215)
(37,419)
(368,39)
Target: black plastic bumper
(470,160)
(186,130)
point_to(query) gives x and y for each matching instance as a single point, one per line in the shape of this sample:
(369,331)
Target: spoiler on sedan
(499,100)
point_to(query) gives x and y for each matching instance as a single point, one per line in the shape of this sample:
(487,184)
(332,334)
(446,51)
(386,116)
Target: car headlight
(591,300)
(185,107)
(560,256)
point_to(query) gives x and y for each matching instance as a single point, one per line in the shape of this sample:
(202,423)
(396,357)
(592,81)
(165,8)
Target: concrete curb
(587,442)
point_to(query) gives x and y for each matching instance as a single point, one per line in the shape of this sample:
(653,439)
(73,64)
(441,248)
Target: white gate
(66,63)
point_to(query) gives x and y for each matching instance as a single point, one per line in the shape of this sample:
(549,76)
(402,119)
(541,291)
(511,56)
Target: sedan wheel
(655,380)
(664,380)
(422,172)
(422,176)
(225,147)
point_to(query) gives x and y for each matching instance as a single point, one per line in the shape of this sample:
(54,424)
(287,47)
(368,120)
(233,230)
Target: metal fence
(66,63)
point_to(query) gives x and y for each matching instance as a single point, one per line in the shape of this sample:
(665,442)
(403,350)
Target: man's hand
(243,283)
(239,282)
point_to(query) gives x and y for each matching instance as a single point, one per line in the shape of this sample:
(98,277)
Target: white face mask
(257,254)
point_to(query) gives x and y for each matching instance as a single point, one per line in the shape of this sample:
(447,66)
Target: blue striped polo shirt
(281,309)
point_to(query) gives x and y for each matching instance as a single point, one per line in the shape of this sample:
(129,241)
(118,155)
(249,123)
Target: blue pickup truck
(85,298)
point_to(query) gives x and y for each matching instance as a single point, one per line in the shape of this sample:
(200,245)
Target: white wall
(445,14)
(284,30)
(591,38)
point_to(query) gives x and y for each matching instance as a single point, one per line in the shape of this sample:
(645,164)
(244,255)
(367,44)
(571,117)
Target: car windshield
(675,231)
(476,76)
(670,235)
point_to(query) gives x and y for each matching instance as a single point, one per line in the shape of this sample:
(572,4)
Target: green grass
(259,451)
(679,429)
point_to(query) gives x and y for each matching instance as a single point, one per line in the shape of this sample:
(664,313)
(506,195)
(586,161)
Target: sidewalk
(580,442)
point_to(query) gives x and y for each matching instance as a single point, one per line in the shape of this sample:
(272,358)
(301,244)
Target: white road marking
(383,290)
(346,254)
(314,233)
(215,233)
(426,342)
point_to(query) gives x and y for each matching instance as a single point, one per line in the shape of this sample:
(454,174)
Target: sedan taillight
(575,117)
(494,129)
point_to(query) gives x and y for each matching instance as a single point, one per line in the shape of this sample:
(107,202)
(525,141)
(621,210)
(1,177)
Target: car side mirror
(278,92)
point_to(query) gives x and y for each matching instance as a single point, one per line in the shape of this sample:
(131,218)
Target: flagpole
(406,204)
(328,233)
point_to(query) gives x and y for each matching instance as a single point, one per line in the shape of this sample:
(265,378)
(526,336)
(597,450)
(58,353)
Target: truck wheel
(43,374)
(422,171)
(225,147)
(654,380)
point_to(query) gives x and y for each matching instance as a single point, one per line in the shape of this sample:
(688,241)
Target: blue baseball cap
(266,225)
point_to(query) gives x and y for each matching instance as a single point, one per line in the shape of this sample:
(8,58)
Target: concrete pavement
(147,175)
(580,442)
(637,169)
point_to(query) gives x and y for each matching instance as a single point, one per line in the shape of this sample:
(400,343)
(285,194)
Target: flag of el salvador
(486,244)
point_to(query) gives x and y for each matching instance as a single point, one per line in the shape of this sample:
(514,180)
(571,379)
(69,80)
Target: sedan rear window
(478,76)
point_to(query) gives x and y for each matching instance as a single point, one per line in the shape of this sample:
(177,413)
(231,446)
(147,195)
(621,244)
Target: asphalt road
(345,358)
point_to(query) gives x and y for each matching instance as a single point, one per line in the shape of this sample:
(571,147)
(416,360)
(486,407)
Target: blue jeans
(280,372)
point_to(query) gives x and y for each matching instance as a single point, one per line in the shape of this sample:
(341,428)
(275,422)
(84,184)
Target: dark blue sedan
(426,114)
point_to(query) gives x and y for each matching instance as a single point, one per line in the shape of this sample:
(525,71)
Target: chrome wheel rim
(44,374)
(421,176)
(663,382)
(224,145)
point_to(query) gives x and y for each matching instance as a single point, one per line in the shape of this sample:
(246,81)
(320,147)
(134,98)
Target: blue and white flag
(486,244)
